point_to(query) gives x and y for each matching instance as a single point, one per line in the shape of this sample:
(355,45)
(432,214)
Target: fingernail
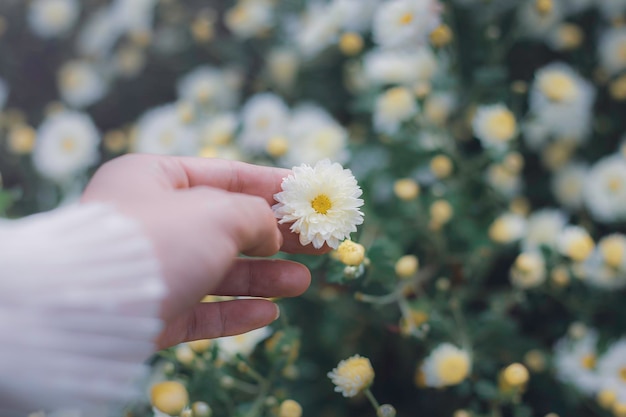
(277,312)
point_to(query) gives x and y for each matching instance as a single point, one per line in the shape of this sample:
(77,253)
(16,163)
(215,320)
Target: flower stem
(372,399)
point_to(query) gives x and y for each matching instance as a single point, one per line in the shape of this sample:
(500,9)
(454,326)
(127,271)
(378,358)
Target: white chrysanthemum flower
(242,344)
(605,189)
(80,83)
(537,23)
(322,202)
(528,271)
(352,375)
(612,50)
(209,87)
(612,249)
(52,18)
(446,365)
(612,369)
(507,228)
(161,131)
(494,125)
(264,116)
(318,29)
(250,18)
(219,129)
(595,272)
(575,243)
(568,185)
(506,182)
(575,362)
(544,228)
(400,67)
(401,23)
(313,135)
(561,101)
(67,144)
(393,107)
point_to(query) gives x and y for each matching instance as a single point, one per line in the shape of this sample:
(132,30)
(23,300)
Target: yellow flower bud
(515,375)
(441,36)
(169,397)
(619,409)
(201,409)
(277,146)
(544,7)
(535,360)
(184,354)
(351,253)
(441,211)
(407,266)
(351,43)
(607,398)
(441,166)
(290,408)
(461,413)
(115,141)
(200,346)
(560,277)
(21,139)
(406,189)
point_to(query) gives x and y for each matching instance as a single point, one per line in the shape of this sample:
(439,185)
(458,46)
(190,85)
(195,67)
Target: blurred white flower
(446,365)
(80,84)
(400,67)
(67,144)
(507,228)
(354,15)
(321,202)
(612,249)
(605,189)
(393,107)
(263,117)
(575,362)
(401,23)
(98,34)
(595,272)
(242,344)
(612,50)
(575,243)
(314,135)
(317,30)
(219,129)
(612,369)
(494,125)
(537,22)
(161,131)
(506,182)
(53,18)
(568,185)
(528,270)
(611,8)
(249,18)
(544,228)
(283,64)
(561,102)
(133,16)
(209,87)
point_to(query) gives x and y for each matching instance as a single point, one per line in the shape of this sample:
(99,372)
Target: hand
(200,214)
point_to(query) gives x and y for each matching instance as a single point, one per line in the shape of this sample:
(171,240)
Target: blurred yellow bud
(515,375)
(184,354)
(351,253)
(613,249)
(535,360)
(519,87)
(419,378)
(21,139)
(406,189)
(617,88)
(606,398)
(277,146)
(386,410)
(441,211)
(115,141)
(290,408)
(351,43)
(619,409)
(441,166)
(201,409)
(520,206)
(461,413)
(169,397)
(570,36)
(422,89)
(200,346)
(407,266)
(544,7)
(441,36)
(560,277)
(514,162)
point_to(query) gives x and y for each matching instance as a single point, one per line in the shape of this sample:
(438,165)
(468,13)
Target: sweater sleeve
(80,289)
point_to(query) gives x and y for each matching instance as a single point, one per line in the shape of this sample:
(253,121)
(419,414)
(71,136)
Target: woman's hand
(200,214)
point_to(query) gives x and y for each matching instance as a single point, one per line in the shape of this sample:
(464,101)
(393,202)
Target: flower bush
(487,137)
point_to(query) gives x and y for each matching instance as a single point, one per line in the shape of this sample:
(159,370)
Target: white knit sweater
(80,290)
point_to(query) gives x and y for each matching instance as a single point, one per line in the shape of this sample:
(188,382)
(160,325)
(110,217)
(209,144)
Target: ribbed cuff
(80,290)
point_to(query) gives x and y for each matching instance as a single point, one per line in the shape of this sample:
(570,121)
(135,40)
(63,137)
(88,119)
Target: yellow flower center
(606,398)
(406,18)
(588,361)
(570,35)
(615,184)
(581,248)
(321,204)
(351,43)
(622,373)
(558,86)
(621,51)
(68,144)
(502,125)
(612,249)
(453,369)
(543,7)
